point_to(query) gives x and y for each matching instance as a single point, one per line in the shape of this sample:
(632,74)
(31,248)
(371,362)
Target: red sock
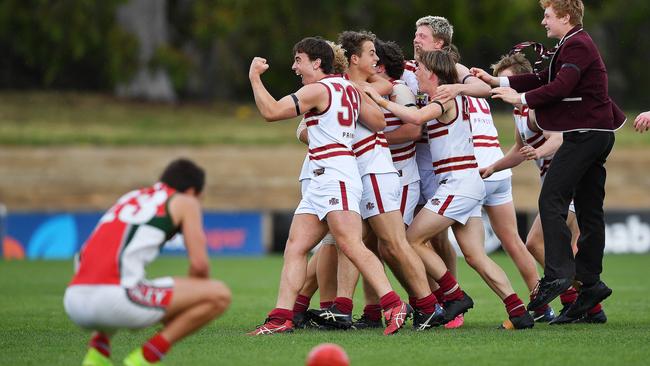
(427,304)
(569,296)
(155,348)
(450,287)
(278,316)
(440,295)
(514,306)
(413,301)
(389,300)
(344,304)
(541,309)
(326,304)
(595,310)
(372,312)
(302,304)
(101,343)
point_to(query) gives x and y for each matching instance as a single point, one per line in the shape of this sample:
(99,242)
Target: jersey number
(136,208)
(482,105)
(350,103)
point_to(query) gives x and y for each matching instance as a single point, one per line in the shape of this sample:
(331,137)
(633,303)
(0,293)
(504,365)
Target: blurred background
(97,96)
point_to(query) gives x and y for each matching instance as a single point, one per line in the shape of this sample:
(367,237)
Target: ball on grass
(327,354)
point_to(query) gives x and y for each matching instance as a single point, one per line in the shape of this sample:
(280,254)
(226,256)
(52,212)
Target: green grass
(34,329)
(57,118)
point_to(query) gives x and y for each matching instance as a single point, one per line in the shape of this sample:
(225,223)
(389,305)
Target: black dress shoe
(588,297)
(547,290)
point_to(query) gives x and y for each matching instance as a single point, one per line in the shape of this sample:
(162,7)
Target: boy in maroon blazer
(570,96)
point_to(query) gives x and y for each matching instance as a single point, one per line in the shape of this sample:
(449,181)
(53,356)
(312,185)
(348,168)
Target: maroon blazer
(571,94)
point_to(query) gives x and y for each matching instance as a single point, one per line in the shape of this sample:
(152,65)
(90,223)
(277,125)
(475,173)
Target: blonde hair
(340,61)
(440,27)
(517,62)
(574,8)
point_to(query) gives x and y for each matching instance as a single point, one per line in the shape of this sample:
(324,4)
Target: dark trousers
(577,172)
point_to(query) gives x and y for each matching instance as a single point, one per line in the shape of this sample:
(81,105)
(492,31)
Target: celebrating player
(332,107)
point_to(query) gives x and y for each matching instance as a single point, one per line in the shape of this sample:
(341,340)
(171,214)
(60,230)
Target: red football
(327,354)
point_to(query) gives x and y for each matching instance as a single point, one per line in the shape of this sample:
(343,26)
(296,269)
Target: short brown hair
(517,62)
(352,42)
(575,9)
(316,48)
(440,63)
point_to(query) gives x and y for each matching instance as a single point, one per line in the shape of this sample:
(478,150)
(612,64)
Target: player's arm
(301,132)
(414,116)
(308,97)
(553,142)
(467,84)
(186,212)
(407,132)
(510,160)
(381,85)
(370,114)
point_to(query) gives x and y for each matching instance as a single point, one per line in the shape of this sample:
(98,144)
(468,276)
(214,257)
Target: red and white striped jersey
(332,131)
(530,137)
(409,75)
(486,138)
(127,238)
(371,150)
(452,154)
(403,154)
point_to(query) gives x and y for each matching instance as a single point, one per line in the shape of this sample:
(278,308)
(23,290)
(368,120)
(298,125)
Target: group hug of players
(398,152)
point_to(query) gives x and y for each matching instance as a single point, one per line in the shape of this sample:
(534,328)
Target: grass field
(65,118)
(35,331)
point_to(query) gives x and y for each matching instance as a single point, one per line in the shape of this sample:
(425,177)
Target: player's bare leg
(326,273)
(471,242)
(345,226)
(195,302)
(425,225)
(308,290)
(441,244)
(305,232)
(504,224)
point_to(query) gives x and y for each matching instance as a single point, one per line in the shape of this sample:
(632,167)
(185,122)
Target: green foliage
(175,62)
(67,41)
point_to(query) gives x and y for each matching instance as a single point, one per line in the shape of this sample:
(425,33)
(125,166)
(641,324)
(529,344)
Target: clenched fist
(258,67)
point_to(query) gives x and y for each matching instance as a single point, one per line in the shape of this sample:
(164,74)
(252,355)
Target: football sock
(278,316)
(427,304)
(344,304)
(514,306)
(101,343)
(569,296)
(326,304)
(440,295)
(595,310)
(413,301)
(302,304)
(155,348)
(389,300)
(372,312)
(450,287)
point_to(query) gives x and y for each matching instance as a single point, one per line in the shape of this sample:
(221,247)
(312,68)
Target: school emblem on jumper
(370,206)
(435,202)
(334,201)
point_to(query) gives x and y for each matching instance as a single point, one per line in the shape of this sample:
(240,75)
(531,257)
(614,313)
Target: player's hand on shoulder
(484,75)
(258,67)
(445,93)
(372,93)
